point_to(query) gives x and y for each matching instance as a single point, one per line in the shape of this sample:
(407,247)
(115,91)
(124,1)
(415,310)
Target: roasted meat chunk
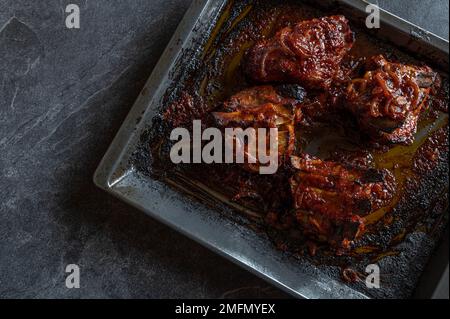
(388,100)
(331,199)
(308,53)
(264,107)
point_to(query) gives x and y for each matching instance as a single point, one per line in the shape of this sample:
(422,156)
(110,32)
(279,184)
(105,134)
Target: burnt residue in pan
(400,237)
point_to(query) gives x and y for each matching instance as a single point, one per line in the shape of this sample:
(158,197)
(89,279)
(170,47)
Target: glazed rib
(308,53)
(265,107)
(331,199)
(388,100)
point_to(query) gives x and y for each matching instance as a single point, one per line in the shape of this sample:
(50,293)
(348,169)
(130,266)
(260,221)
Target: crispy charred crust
(431,152)
(331,200)
(388,100)
(309,53)
(323,106)
(291,91)
(184,110)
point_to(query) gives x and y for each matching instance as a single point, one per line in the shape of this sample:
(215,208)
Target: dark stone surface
(63,95)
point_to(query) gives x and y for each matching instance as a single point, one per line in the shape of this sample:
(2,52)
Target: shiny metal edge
(403,25)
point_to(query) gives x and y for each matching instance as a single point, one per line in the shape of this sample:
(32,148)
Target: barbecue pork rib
(265,107)
(308,53)
(388,100)
(331,199)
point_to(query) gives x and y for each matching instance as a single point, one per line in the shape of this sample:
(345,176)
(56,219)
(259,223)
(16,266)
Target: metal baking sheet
(117,175)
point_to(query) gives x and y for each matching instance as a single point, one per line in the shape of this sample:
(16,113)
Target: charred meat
(331,199)
(388,100)
(265,107)
(308,53)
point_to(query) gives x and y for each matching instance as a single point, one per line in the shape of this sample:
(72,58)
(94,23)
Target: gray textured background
(63,95)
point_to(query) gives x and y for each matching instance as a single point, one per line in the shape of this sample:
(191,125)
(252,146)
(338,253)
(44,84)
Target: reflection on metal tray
(200,220)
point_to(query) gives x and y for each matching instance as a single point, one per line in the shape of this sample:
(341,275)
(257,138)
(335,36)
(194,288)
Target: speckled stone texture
(63,95)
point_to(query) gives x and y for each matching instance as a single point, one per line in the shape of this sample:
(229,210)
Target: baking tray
(119,176)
